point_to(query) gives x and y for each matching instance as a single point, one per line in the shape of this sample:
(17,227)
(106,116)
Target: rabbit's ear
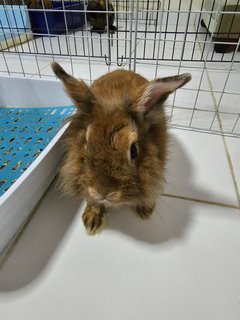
(151,97)
(78,91)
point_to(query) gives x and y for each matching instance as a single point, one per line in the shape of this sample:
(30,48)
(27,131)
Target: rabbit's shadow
(43,236)
(168,222)
(171,216)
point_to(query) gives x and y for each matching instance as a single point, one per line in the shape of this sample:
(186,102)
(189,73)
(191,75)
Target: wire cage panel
(153,37)
(180,29)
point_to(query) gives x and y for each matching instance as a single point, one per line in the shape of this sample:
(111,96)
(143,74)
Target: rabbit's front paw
(93,218)
(145,211)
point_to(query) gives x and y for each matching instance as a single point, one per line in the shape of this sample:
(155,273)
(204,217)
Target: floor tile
(148,69)
(81,43)
(229,110)
(218,79)
(171,47)
(205,100)
(26,65)
(198,168)
(236,128)
(97,45)
(3,64)
(181,264)
(208,51)
(229,102)
(232,85)
(80,68)
(230,123)
(233,145)
(44,45)
(191,119)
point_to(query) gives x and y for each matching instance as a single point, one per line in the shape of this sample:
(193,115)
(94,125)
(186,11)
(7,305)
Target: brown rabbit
(116,142)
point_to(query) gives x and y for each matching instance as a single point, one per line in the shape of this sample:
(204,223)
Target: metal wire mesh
(153,37)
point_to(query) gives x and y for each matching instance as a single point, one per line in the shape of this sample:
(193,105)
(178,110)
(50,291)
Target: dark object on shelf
(98,21)
(55,23)
(203,24)
(224,47)
(224,26)
(39,4)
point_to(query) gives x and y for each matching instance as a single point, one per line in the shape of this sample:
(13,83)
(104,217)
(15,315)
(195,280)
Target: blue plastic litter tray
(30,152)
(24,134)
(56,20)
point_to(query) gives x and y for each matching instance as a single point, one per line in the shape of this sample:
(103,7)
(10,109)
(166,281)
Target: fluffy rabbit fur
(116,142)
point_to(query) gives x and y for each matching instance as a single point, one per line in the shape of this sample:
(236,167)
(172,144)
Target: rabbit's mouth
(106,203)
(108,200)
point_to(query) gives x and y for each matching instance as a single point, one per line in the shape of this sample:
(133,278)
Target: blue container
(14,22)
(55,19)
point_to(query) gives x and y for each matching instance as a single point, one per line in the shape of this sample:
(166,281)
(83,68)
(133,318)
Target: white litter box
(30,150)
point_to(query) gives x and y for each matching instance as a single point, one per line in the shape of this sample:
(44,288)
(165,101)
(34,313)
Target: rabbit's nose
(114,196)
(104,198)
(95,194)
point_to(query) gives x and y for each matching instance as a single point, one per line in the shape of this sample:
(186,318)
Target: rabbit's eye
(133,151)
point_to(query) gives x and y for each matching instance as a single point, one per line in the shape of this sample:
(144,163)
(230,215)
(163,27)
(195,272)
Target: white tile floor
(182,264)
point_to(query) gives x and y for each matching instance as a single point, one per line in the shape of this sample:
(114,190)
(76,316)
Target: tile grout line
(221,128)
(201,201)
(231,169)
(224,141)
